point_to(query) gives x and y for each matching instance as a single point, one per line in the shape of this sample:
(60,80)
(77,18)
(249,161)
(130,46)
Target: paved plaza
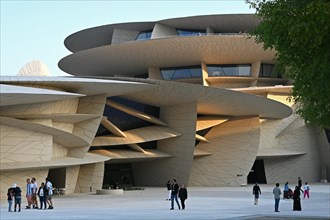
(203,203)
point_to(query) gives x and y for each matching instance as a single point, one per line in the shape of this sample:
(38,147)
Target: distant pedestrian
(42,196)
(256,192)
(296,199)
(34,187)
(168,185)
(10,195)
(299,182)
(286,191)
(18,197)
(277,196)
(28,193)
(306,190)
(49,193)
(183,195)
(174,194)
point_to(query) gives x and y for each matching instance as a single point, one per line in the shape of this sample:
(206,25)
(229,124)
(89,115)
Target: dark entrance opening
(257,173)
(57,177)
(118,175)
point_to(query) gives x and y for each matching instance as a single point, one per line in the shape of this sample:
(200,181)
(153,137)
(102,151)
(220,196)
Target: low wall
(109,191)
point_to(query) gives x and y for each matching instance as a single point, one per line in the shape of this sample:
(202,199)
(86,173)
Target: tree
(299,30)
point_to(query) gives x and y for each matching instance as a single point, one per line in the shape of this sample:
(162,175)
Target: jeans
(176,200)
(277,202)
(10,202)
(43,203)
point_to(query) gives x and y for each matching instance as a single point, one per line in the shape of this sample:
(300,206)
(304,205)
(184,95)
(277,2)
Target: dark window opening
(144,35)
(56,177)
(202,133)
(118,175)
(126,121)
(257,173)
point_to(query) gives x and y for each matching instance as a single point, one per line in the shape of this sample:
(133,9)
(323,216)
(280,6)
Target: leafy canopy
(299,30)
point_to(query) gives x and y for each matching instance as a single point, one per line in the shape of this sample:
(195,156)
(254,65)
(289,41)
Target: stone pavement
(203,203)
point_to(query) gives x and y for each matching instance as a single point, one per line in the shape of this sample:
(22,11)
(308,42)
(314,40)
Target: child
(10,194)
(306,190)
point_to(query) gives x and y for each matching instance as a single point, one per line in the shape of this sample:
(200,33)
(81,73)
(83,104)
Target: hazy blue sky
(35,30)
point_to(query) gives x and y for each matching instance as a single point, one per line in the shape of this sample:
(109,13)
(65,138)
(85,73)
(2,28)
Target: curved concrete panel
(234,146)
(18,95)
(134,58)
(84,86)
(65,118)
(66,139)
(210,101)
(129,156)
(54,162)
(209,121)
(102,35)
(139,135)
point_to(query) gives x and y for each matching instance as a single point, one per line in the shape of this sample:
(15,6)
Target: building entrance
(257,173)
(118,175)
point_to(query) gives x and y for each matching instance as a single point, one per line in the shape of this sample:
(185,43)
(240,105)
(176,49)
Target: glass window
(229,70)
(181,72)
(189,32)
(267,70)
(144,35)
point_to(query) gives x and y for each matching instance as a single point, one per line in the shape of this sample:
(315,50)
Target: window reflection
(267,70)
(144,35)
(190,32)
(229,70)
(181,72)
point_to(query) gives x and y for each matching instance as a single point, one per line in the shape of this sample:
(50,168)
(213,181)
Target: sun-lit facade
(192,98)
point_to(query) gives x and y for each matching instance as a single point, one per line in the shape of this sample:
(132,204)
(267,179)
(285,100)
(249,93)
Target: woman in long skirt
(296,199)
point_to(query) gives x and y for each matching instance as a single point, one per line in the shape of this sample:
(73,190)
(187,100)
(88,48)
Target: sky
(36,30)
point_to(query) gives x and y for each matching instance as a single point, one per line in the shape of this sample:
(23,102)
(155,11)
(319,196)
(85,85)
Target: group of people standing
(174,191)
(288,194)
(44,192)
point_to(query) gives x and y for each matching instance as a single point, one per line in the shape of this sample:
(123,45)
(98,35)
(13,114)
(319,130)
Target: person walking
(183,195)
(49,193)
(42,196)
(299,182)
(174,194)
(10,195)
(306,190)
(18,197)
(286,191)
(34,187)
(296,199)
(256,192)
(277,195)
(168,185)
(28,193)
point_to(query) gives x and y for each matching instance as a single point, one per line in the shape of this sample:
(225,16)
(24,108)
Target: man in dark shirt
(18,197)
(174,194)
(256,191)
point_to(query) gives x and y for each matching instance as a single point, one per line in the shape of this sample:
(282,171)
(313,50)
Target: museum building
(192,98)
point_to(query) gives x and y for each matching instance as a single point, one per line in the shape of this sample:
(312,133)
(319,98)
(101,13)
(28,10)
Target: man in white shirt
(28,193)
(34,188)
(49,194)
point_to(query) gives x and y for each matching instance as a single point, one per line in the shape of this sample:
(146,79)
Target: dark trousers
(174,197)
(277,203)
(182,203)
(42,200)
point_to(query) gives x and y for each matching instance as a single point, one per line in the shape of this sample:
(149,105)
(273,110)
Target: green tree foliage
(299,30)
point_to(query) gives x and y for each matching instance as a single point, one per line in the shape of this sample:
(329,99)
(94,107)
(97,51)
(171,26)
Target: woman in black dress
(296,199)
